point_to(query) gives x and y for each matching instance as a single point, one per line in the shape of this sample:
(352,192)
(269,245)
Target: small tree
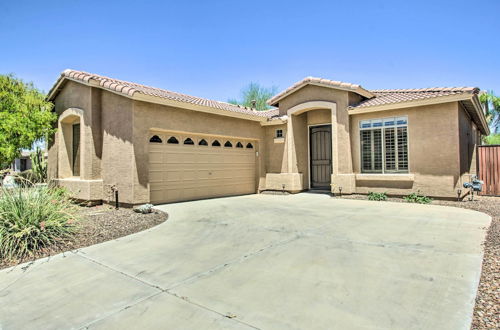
(255,96)
(25,117)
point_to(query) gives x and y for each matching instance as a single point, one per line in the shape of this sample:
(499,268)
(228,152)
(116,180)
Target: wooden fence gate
(488,157)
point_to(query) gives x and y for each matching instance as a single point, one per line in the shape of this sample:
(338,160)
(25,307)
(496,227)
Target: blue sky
(214,48)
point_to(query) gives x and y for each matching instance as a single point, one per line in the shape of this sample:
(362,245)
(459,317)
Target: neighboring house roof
(130,89)
(391,96)
(319,82)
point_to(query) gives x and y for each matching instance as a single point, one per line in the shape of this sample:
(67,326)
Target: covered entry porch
(316,137)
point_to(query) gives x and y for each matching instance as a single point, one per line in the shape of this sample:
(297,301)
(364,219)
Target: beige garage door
(187,167)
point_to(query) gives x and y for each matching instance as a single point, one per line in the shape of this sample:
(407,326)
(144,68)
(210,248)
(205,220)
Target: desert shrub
(25,178)
(34,218)
(374,196)
(417,198)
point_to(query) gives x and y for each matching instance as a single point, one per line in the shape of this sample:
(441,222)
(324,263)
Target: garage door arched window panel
(216,143)
(228,144)
(155,139)
(239,145)
(173,140)
(249,146)
(203,142)
(189,141)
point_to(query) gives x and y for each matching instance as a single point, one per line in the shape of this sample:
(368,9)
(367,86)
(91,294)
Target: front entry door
(320,146)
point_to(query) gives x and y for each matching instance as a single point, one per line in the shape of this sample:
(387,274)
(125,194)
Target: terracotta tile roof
(391,96)
(321,82)
(129,89)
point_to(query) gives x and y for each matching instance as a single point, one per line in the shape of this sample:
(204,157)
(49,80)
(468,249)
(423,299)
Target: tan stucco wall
(149,116)
(117,147)
(116,131)
(73,95)
(433,144)
(275,151)
(342,160)
(469,139)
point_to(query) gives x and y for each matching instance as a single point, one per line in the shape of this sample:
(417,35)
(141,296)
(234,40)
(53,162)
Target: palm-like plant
(492,103)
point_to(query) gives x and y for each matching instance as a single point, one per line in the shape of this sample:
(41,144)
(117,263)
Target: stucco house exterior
(22,163)
(158,146)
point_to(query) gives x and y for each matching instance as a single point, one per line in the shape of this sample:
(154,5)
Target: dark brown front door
(320,145)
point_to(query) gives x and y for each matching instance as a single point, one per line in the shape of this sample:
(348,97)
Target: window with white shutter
(384,145)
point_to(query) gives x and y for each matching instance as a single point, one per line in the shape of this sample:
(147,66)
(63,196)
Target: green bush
(492,139)
(417,198)
(34,218)
(374,196)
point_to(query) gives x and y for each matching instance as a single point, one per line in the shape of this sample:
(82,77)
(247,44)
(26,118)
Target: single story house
(157,146)
(22,163)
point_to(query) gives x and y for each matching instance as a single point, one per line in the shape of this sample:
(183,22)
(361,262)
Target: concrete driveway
(304,261)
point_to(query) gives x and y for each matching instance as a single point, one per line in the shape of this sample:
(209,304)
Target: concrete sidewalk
(303,261)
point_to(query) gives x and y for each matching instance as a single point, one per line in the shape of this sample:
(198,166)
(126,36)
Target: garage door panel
(187,172)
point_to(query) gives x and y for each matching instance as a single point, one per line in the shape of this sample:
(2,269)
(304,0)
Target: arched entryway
(311,146)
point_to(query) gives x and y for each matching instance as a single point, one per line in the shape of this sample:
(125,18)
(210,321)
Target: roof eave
(152,99)
(409,104)
(274,101)
(196,107)
(471,97)
(481,117)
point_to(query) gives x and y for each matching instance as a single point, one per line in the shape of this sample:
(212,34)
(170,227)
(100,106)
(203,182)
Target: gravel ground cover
(99,224)
(487,308)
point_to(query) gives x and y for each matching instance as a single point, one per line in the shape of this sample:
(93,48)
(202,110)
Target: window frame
(381,127)
(279,133)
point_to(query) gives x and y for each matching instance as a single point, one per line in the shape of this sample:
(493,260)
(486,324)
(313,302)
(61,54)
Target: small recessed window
(228,144)
(239,145)
(216,143)
(249,146)
(279,133)
(203,142)
(172,140)
(155,139)
(188,141)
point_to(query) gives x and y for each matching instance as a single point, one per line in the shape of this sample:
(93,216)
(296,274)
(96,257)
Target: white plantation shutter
(384,149)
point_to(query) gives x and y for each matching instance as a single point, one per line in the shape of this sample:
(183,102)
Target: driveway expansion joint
(234,261)
(157,287)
